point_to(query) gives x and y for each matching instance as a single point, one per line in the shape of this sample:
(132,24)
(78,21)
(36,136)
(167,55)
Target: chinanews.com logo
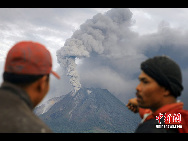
(171,121)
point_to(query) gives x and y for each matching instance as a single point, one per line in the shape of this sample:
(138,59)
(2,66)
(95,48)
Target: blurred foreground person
(26,82)
(156,97)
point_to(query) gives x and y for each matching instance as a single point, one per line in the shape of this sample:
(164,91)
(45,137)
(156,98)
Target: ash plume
(111,53)
(66,58)
(100,35)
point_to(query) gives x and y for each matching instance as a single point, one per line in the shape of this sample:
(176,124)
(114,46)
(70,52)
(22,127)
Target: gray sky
(53,26)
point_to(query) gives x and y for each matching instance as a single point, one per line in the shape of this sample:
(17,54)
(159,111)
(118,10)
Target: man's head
(160,81)
(28,65)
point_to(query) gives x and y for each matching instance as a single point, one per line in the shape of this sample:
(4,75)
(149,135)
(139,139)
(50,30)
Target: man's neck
(169,100)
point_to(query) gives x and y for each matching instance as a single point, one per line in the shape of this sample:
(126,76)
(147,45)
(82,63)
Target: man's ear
(41,83)
(166,92)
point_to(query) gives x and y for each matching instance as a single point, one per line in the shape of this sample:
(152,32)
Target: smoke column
(66,58)
(99,35)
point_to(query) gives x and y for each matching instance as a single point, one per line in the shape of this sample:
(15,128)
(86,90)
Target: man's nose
(138,88)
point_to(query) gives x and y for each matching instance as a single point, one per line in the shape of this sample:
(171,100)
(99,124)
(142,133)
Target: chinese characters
(169,119)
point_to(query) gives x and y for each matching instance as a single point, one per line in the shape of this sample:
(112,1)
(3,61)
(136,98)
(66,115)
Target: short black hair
(21,79)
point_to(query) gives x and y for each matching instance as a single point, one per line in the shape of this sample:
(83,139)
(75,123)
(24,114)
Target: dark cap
(165,72)
(30,58)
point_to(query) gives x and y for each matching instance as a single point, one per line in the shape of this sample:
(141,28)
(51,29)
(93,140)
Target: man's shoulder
(17,116)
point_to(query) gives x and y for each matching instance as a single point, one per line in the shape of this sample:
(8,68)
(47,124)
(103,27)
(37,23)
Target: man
(156,101)
(26,82)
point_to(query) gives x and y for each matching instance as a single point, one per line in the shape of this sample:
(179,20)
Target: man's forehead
(143,75)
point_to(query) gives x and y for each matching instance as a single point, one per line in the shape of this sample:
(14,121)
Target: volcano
(90,110)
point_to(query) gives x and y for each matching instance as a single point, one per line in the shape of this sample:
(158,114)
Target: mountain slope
(46,106)
(90,110)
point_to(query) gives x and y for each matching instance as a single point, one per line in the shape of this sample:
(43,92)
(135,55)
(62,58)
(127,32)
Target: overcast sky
(53,26)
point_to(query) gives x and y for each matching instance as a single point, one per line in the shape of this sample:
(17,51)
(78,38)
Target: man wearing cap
(156,97)
(26,82)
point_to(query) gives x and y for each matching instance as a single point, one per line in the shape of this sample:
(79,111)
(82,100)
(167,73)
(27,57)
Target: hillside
(90,110)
